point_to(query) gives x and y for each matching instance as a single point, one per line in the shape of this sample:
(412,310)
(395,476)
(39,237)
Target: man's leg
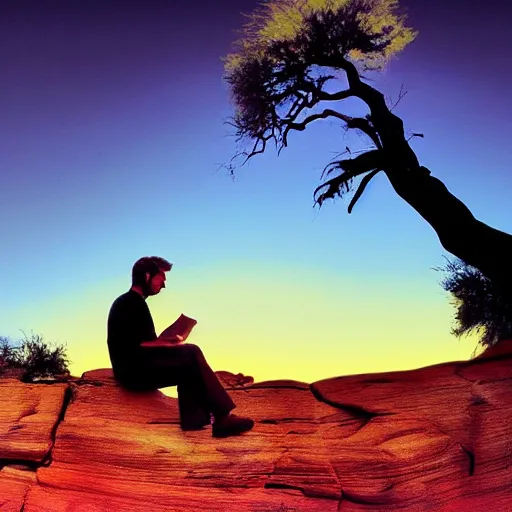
(199,390)
(216,397)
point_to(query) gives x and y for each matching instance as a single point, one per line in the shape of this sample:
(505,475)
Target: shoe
(231,425)
(197,424)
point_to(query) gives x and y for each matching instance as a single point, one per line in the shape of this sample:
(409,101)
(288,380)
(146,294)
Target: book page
(182,327)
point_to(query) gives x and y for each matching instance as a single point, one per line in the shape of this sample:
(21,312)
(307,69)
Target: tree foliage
(36,358)
(290,53)
(480,306)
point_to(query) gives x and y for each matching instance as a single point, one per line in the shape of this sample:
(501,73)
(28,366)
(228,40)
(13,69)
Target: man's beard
(146,289)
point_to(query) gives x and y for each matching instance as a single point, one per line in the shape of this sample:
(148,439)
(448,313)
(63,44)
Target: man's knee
(192,350)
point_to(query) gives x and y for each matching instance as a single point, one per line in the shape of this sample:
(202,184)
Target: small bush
(480,306)
(36,358)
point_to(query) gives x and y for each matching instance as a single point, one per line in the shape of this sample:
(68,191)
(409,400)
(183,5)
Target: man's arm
(163,341)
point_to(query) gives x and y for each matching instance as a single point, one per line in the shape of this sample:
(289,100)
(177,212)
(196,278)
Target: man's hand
(171,339)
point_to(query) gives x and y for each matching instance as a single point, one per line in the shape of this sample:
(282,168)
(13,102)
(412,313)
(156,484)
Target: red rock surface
(28,415)
(432,439)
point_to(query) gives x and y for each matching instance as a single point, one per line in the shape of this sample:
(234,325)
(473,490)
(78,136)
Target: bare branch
(370,161)
(373,159)
(323,115)
(334,187)
(360,190)
(415,135)
(335,96)
(373,98)
(325,96)
(295,105)
(401,95)
(365,162)
(254,151)
(367,127)
(359,123)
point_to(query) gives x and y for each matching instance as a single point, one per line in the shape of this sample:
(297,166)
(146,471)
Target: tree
(278,75)
(34,357)
(479,308)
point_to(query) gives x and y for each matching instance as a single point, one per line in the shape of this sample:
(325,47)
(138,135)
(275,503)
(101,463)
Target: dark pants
(199,389)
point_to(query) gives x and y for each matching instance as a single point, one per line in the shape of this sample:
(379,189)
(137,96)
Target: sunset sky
(112,141)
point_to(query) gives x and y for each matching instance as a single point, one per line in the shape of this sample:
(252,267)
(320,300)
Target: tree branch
(256,151)
(336,96)
(359,123)
(296,106)
(360,190)
(369,161)
(364,162)
(325,96)
(323,115)
(401,95)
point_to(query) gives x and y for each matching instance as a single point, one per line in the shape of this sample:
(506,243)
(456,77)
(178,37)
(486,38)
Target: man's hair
(151,265)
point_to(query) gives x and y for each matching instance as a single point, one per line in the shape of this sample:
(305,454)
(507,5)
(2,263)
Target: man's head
(148,274)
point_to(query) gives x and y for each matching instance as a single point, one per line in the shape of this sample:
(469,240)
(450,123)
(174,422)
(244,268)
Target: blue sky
(113,137)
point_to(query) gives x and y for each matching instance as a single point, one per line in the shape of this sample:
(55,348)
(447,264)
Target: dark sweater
(129,324)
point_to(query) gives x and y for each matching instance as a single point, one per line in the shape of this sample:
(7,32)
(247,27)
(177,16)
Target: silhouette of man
(142,360)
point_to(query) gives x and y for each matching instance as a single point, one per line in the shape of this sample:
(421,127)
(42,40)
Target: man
(142,360)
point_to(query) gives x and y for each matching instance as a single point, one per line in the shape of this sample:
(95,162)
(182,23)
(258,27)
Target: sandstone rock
(431,432)
(28,415)
(14,485)
(232,381)
(502,348)
(433,439)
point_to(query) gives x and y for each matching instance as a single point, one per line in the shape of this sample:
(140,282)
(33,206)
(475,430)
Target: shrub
(480,306)
(35,358)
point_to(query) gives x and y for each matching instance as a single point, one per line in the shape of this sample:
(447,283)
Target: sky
(113,137)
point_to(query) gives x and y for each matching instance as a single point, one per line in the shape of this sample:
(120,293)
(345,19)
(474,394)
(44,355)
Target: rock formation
(434,439)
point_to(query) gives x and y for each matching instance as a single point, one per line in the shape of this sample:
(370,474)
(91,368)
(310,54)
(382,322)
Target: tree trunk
(459,232)
(485,248)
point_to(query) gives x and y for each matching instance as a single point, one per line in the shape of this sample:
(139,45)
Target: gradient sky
(112,136)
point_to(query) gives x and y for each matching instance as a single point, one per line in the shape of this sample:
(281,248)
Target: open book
(182,327)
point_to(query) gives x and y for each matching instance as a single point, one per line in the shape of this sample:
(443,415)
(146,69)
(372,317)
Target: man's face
(155,283)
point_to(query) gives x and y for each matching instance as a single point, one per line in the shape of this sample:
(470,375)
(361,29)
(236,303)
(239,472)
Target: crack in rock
(271,421)
(354,410)
(30,412)
(359,499)
(22,464)
(30,465)
(22,509)
(479,400)
(69,394)
(305,492)
(16,427)
(472,459)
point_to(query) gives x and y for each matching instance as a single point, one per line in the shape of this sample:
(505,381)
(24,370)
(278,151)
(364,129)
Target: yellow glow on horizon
(292,324)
